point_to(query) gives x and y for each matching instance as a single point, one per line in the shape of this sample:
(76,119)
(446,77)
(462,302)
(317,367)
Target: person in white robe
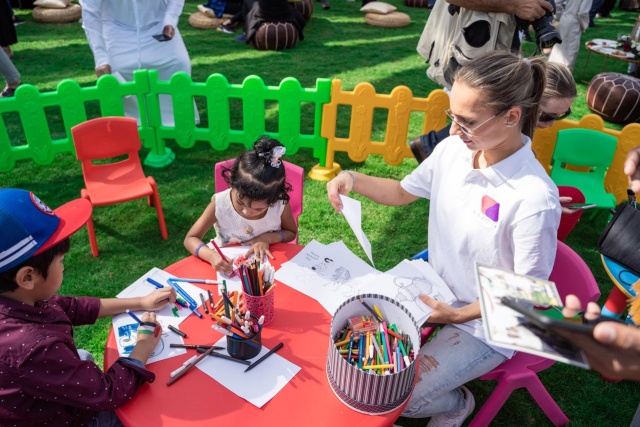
(573,22)
(121,36)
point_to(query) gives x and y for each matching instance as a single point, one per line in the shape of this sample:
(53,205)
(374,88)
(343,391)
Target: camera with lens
(546,34)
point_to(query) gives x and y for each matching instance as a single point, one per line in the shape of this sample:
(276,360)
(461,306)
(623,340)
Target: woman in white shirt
(491,201)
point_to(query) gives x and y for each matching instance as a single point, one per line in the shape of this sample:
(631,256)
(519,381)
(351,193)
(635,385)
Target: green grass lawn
(338,44)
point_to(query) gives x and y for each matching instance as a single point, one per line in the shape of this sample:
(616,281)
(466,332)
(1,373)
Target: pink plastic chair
(571,276)
(113,180)
(295,177)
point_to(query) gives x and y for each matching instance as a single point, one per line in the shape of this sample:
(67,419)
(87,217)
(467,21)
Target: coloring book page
(411,279)
(352,211)
(125,327)
(330,274)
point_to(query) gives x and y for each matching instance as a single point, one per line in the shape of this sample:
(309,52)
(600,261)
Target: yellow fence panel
(363,101)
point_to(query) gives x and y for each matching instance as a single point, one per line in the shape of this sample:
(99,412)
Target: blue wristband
(200,246)
(281,235)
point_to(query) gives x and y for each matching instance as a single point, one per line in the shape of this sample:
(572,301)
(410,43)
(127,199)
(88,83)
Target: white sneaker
(455,419)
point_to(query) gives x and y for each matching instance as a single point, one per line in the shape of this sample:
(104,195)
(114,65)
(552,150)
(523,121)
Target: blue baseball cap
(30,227)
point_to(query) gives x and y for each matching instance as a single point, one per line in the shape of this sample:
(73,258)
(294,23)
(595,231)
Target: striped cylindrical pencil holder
(362,391)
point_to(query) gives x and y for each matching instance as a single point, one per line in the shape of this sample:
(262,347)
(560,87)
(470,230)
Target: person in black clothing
(7,29)
(256,12)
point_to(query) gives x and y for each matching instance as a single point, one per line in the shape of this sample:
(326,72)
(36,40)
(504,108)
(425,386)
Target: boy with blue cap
(43,380)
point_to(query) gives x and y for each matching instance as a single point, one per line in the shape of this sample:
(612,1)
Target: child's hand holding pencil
(216,258)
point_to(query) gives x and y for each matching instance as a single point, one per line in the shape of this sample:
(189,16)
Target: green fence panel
(218,94)
(40,142)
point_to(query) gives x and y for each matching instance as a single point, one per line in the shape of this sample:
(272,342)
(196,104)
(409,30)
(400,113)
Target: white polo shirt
(506,215)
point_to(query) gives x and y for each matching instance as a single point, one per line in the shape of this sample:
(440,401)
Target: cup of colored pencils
(258,286)
(243,330)
(245,348)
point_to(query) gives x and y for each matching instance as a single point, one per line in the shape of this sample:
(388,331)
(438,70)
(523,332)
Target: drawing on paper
(127,339)
(338,278)
(410,288)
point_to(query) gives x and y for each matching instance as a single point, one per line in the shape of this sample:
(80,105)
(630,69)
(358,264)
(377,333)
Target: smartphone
(161,37)
(547,323)
(580,206)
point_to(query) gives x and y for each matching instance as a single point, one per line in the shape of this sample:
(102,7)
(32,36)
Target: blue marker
(182,293)
(192,303)
(136,318)
(154,283)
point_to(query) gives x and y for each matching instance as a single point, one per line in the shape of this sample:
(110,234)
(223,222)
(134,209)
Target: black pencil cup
(245,348)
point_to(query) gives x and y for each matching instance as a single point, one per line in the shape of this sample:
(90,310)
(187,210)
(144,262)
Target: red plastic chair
(568,221)
(117,181)
(295,177)
(571,276)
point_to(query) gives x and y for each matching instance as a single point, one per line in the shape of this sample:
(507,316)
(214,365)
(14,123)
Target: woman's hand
(565,200)
(168,32)
(341,184)
(444,313)
(260,250)
(158,299)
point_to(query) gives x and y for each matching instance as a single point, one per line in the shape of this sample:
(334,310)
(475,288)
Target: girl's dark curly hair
(253,176)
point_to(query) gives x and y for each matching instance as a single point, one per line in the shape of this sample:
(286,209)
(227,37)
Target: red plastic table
(300,322)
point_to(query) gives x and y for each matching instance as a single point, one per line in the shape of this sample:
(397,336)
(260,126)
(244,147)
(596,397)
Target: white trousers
(573,22)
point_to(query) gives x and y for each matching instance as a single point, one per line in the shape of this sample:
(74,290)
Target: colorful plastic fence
(218,94)
(37,113)
(44,134)
(41,142)
(616,181)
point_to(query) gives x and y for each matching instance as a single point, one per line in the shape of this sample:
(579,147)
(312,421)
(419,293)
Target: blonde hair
(560,82)
(506,81)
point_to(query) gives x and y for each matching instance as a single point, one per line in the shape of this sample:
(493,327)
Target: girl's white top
(231,228)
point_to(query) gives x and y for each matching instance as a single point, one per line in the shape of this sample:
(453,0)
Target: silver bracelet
(353,177)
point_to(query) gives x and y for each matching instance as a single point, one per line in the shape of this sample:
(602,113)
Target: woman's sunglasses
(547,117)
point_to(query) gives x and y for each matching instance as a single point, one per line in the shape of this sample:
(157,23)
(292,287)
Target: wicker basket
(71,13)
(390,20)
(200,20)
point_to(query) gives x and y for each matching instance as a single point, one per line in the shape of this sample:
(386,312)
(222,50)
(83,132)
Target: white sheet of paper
(125,327)
(416,277)
(257,386)
(352,211)
(330,274)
